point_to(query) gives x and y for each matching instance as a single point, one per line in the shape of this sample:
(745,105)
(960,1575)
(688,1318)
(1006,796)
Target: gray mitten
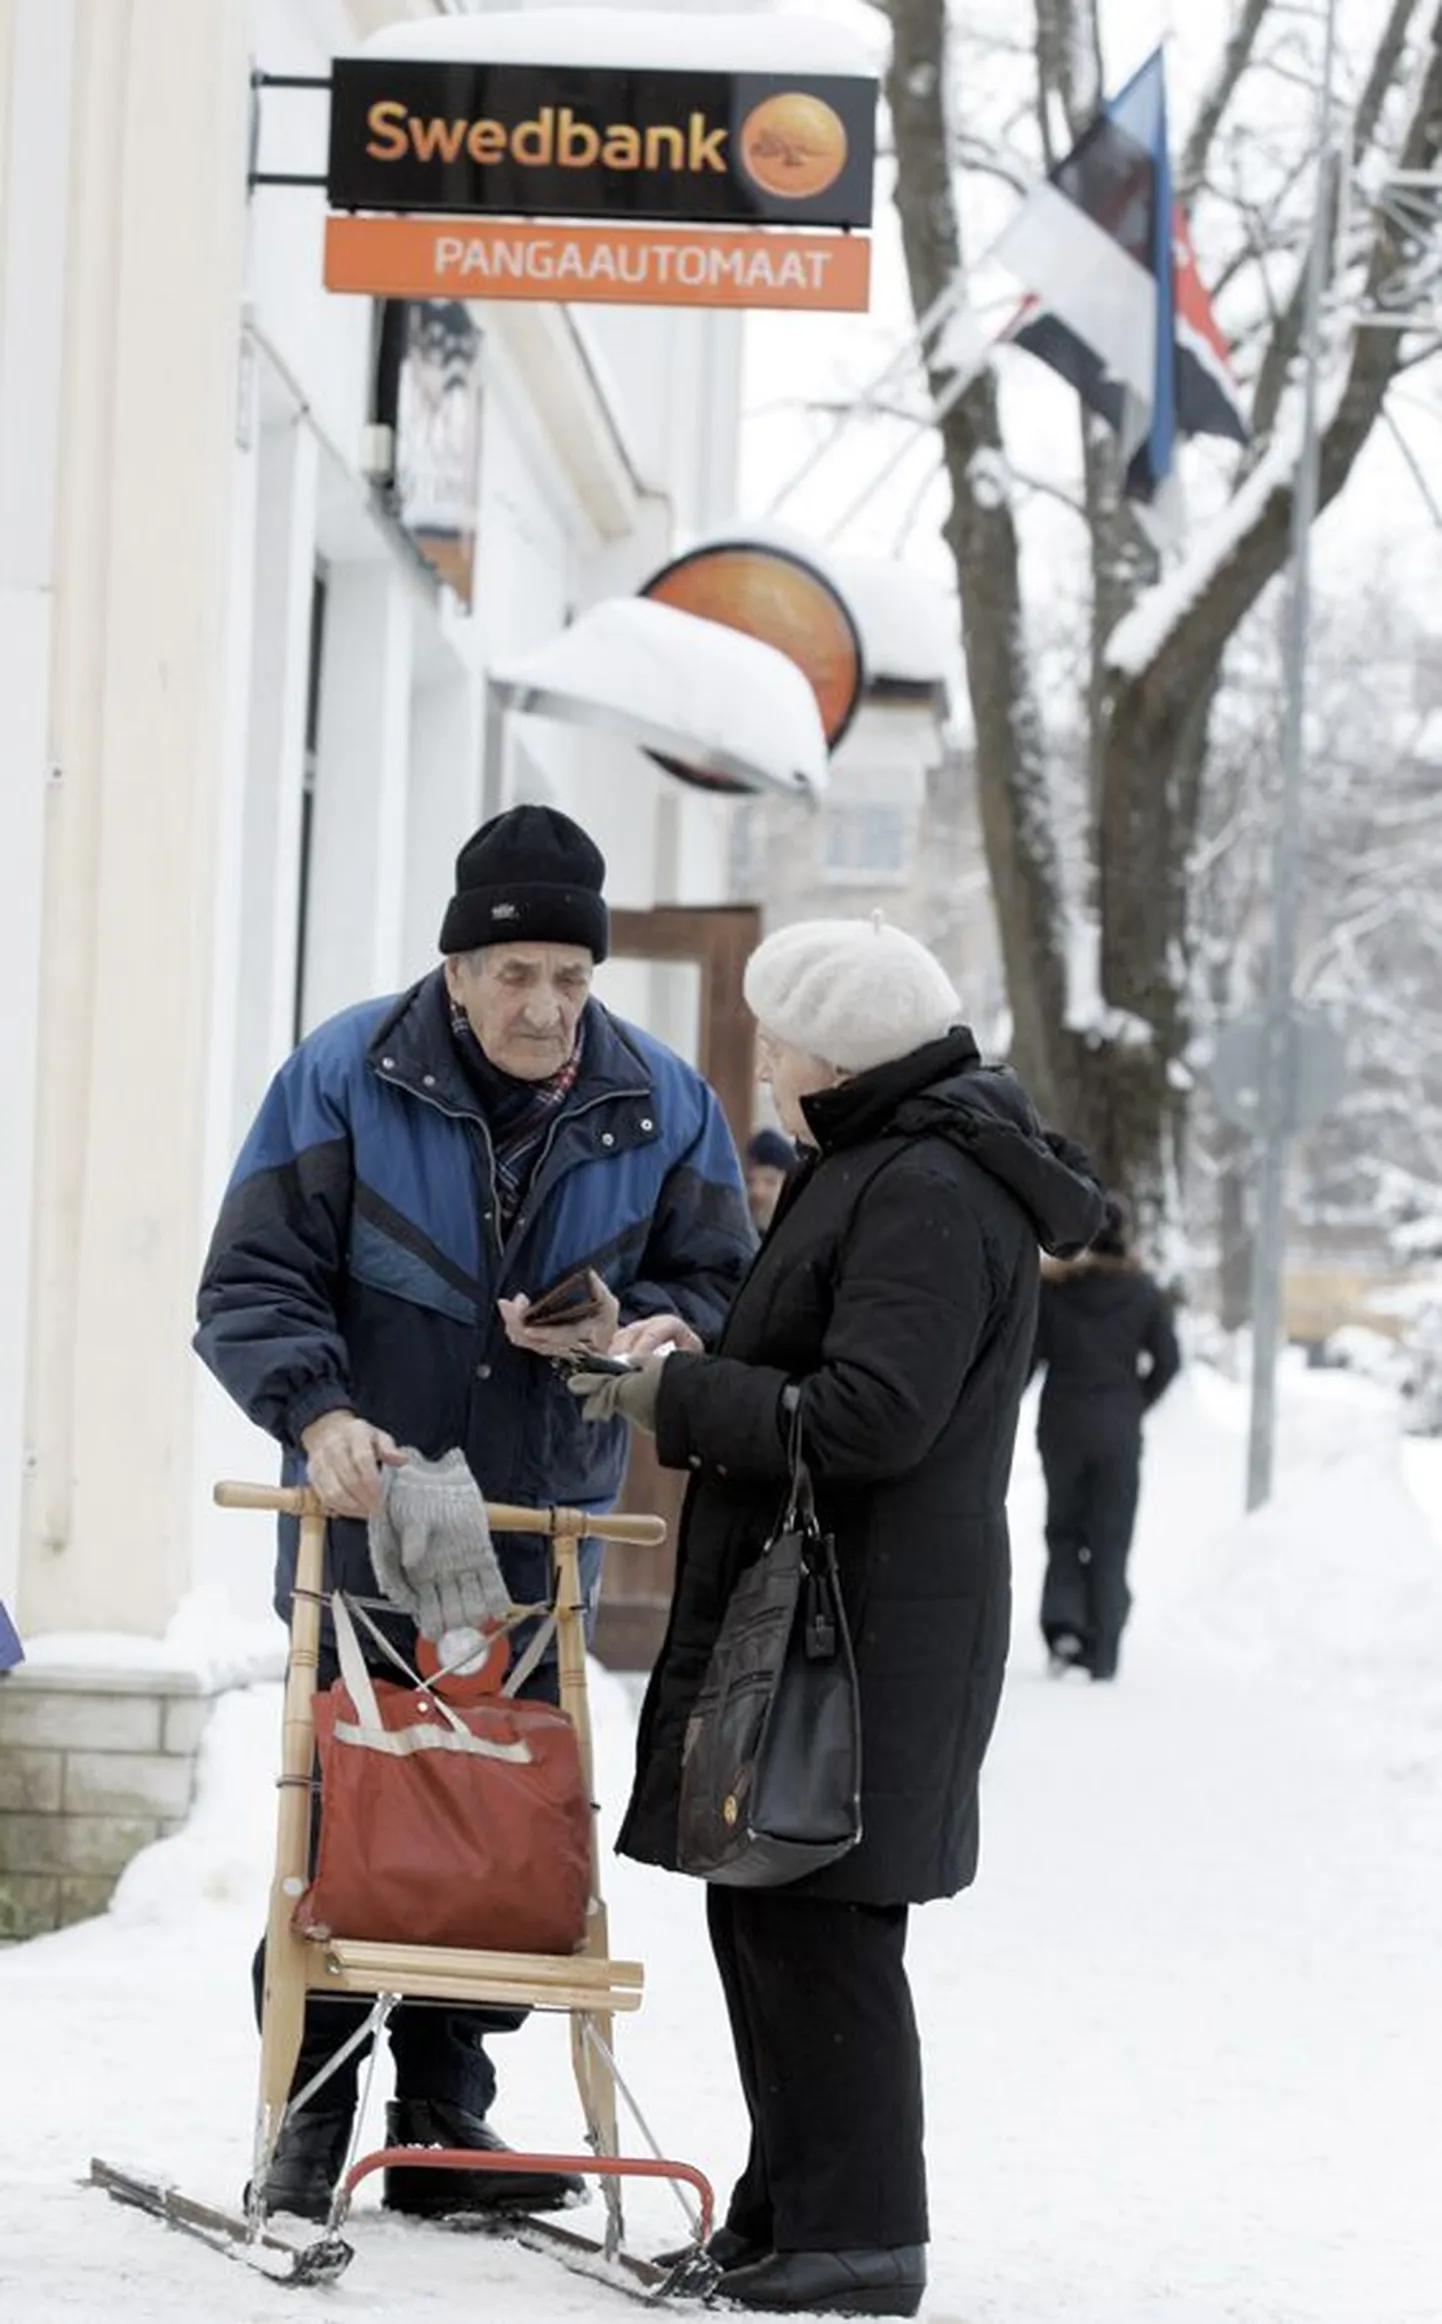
(431,1549)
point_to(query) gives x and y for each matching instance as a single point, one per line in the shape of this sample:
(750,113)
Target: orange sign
(772,595)
(653,266)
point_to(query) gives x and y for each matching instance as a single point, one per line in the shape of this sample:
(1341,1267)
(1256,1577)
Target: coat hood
(1099,1263)
(945,1091)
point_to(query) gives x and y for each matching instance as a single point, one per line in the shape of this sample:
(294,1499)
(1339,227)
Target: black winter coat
(898,1287)
(1105,1335)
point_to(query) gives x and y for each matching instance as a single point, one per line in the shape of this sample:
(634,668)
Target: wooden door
(718,939)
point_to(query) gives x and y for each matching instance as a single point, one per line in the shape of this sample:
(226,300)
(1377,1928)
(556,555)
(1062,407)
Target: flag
(1116,304)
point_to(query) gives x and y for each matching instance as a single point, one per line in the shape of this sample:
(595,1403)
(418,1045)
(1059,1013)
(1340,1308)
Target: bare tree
(1370,951)
(1115,1073)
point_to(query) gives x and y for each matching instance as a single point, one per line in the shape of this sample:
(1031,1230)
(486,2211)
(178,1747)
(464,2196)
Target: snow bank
(663,40)
(205,1642)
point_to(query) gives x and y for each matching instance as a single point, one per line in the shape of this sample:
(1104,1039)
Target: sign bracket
(262,80)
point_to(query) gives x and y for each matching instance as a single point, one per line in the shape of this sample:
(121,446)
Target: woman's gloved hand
(629,1395)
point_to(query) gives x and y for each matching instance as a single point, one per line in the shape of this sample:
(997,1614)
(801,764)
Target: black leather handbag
(771,1763)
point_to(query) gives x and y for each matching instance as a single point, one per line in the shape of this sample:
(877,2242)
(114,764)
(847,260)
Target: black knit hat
(1113,1239)
(768,1150)
(529,876)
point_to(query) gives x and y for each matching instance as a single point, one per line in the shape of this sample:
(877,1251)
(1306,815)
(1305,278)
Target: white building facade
(243,721)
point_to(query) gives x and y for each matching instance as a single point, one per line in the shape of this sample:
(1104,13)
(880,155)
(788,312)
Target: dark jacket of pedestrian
(898,1286)
(1105,1335)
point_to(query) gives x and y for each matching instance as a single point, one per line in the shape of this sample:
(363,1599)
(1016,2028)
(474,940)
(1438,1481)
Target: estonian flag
(1116,305)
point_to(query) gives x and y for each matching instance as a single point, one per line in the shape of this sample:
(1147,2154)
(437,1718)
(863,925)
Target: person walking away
(770,1160)
(420,1168)
(1105,1337)
(892,1306)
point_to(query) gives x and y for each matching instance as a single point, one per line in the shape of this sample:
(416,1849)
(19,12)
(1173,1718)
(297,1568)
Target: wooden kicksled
(588,1985)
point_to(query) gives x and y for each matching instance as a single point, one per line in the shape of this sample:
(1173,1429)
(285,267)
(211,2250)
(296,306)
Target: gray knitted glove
(431,1548)
(631,1395)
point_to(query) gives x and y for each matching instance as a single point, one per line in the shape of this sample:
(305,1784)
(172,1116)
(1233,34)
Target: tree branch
(1287,337)
(1216,97)
(1205,617)
(1068,61)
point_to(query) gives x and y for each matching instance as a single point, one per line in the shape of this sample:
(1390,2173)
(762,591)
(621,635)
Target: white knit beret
(854,993)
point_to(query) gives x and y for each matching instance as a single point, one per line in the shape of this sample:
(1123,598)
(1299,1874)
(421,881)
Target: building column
(153,283)
(445,808)
(283,590)
(37,95)
(356,914)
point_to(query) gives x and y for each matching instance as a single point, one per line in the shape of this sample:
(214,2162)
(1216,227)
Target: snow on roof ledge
(671,682)
(908,625)
(665,40)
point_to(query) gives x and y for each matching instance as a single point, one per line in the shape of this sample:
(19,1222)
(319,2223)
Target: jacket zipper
(478,1121)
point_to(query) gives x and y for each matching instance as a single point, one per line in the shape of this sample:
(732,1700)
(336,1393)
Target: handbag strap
(801,1493)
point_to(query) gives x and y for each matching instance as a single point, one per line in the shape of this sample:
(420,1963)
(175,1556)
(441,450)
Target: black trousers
(830,2066)
(1091,1511)
(439,2051)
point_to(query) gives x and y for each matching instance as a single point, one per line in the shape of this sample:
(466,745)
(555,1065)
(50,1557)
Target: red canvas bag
(446,1822)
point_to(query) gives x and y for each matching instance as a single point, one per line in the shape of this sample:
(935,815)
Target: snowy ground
(1184,2039)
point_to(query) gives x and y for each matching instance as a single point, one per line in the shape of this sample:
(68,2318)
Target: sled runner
(587,1984)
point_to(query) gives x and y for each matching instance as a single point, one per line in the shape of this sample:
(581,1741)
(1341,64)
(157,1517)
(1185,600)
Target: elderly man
(421,1169)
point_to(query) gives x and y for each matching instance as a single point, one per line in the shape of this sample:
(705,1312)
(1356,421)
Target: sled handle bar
(504,1517)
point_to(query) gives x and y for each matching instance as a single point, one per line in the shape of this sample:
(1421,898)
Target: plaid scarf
(518,1114)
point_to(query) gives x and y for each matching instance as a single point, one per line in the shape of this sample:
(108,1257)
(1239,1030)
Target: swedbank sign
(553,141)
(676,187)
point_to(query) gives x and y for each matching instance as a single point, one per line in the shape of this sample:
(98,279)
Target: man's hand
(563,1339)
(345,1457)
(656,1331)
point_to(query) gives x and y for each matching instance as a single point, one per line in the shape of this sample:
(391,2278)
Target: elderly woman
(897,1292)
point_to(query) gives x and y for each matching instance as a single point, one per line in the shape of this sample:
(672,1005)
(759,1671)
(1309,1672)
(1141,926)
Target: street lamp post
(1279,1091)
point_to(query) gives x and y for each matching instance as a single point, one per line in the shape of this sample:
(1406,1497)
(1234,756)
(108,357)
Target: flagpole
(1279,1088)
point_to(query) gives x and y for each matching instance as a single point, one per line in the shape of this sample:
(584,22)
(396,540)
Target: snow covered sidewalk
(1184,2039)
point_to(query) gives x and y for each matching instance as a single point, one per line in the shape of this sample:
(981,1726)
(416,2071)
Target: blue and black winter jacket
(357,1259)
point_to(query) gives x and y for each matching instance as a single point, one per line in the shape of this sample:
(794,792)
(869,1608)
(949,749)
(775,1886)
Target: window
(865,844)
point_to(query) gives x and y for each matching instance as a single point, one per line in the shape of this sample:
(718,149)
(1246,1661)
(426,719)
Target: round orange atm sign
(772,594)
(794,146)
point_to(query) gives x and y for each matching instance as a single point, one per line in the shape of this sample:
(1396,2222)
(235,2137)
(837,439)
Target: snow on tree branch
(1142,635)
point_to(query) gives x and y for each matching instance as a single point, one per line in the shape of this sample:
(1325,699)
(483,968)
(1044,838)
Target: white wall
(209,396)
(148,417)
(34,214)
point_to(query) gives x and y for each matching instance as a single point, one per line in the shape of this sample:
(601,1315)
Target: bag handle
(346,1638)
(353,1666)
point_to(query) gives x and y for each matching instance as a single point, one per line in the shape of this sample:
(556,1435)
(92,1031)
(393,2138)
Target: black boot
(726,2250)
(888,2281)
(435,2194)
(306,2165)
